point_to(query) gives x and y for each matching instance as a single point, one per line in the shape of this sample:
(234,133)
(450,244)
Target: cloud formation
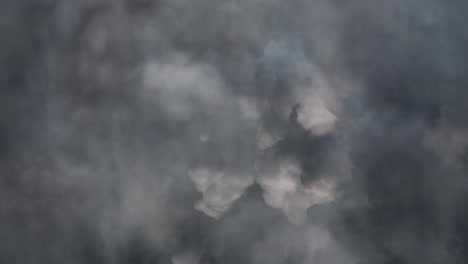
(264,131)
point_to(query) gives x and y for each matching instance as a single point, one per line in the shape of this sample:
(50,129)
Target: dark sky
(237,131)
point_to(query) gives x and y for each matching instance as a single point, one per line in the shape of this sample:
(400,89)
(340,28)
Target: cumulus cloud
(220,189)
(283,189)
(314,116)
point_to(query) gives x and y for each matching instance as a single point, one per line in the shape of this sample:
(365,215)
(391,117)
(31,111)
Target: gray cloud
(172,131)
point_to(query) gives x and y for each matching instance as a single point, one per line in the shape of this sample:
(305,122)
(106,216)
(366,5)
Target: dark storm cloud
(259,131)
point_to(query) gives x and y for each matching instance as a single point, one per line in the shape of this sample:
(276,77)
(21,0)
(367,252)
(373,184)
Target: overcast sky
(236,131)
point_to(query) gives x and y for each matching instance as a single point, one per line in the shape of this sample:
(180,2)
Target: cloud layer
(264,131)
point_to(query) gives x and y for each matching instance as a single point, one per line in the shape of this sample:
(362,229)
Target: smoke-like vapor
(239,131)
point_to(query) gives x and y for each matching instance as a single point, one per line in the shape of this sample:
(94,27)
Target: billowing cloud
(282,189)
(220,189)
